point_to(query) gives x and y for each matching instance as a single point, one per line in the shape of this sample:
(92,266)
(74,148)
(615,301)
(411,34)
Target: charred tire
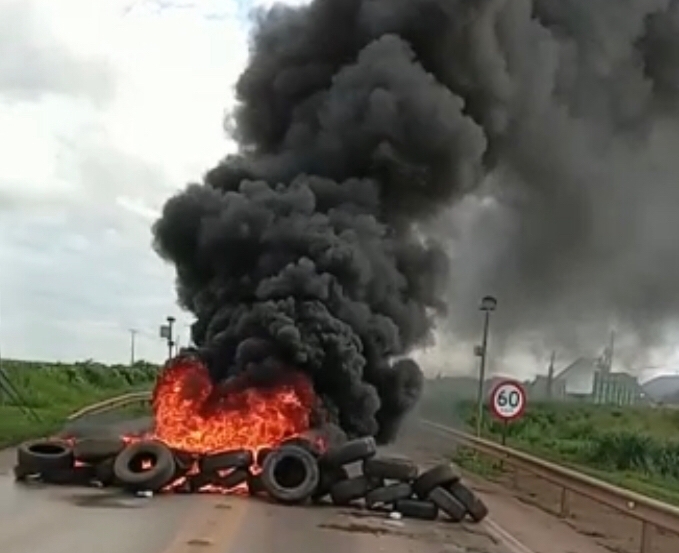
(448,503)
(388,495)
(346,491)
(350,452)
(42,456)
(415,508)
(329,477)
(440,475)
(391,468)
(474,506)
(290,474)
(127,466)
(94,450)
(234,478)
(304,443)
(235,459)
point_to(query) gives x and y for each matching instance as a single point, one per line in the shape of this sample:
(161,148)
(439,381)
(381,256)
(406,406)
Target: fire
(194,415)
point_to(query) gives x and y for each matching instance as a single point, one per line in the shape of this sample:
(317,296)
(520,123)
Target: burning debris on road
(241,440)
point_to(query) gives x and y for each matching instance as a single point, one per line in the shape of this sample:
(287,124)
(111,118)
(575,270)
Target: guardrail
(110,404)
(650,512)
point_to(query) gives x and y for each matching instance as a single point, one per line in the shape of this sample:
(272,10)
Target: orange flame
(193,415)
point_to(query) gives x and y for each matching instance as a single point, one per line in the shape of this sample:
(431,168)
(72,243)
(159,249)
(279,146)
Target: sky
(106,109)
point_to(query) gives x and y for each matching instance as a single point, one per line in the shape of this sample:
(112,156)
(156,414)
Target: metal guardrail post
(646,537)
(565,510)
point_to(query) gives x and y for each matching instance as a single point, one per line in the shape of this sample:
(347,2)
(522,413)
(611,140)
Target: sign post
(507,403)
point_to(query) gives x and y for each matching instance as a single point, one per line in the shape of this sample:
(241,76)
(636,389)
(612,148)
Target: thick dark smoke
(574,227)
(360,121)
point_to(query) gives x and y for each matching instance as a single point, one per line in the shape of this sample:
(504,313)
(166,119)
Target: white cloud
(106,108)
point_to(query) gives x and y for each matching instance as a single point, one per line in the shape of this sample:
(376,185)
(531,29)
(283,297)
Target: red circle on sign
(508,400)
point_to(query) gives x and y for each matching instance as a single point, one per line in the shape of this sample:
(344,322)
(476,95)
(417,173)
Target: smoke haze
(532,139)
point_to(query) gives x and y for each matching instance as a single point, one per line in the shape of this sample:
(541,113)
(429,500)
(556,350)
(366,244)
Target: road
(38,519)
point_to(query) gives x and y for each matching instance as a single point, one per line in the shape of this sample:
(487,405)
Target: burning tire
(290,474)
(43,456)
(352,451)
(473,505)
(440,475)
(233,479)
(95,450)
(415,508)
(388,495)
(346,491)
(391,468)
(145,466)
(235,459)
(262,454)
(448,503)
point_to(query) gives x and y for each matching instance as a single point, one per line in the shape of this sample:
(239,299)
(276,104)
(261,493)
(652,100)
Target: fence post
(646,537)
(565,510)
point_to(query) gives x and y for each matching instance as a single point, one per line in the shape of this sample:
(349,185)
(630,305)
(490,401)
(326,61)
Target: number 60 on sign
(508,400)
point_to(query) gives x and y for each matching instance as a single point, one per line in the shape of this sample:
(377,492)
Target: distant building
(589,379)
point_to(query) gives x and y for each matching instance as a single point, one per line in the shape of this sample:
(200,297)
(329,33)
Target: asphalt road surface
(48,519)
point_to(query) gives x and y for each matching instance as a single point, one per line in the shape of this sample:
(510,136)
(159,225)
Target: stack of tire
(396,484)
(296,471)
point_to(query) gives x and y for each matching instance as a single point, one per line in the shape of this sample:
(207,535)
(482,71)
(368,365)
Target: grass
(633,447)
(53,390)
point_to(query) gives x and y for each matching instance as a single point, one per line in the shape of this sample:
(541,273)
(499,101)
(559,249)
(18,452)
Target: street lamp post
(488,304)
(170,341)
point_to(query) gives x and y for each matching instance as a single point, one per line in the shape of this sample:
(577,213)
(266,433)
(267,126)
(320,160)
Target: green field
(633,447)
(53,390)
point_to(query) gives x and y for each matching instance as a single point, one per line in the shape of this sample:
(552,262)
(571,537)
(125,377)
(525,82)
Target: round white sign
(508,400)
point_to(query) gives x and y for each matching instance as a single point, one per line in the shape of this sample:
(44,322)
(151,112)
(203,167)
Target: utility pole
(133,334)
(488,304)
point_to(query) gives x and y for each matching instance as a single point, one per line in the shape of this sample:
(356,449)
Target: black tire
(388,495)
(290,474)
(233,479)
(474,506)
(262,454)
(127,466)
(304,443)
(82,475)
(346,491)
(196,482)
(329,477)
(415,508)
(104,474)
(391,468)
(350,452)
(235,459)
(440,475)
(255,486)
(42,456)
(21,473)
(95,450)
(448,503)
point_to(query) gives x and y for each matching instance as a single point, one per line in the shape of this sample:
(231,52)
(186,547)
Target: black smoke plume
(358,122)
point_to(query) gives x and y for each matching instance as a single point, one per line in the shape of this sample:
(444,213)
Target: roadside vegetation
(632,447)
(53,390)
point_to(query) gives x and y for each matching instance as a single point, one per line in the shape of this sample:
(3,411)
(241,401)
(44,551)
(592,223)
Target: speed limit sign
(508,400)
